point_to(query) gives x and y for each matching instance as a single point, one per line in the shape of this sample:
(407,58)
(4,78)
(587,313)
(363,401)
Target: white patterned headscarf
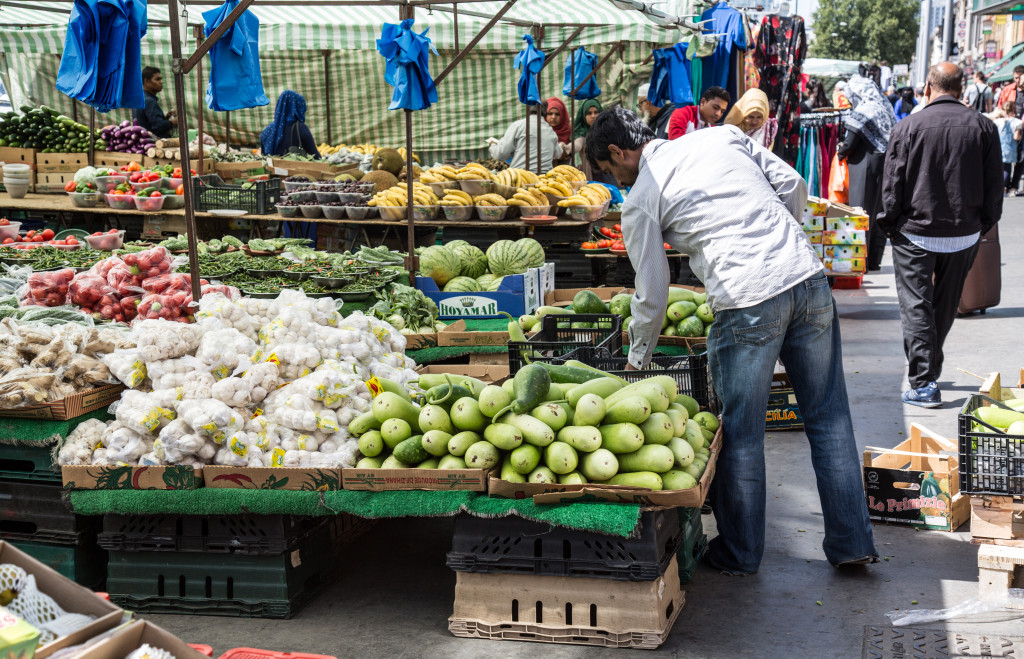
(872,115)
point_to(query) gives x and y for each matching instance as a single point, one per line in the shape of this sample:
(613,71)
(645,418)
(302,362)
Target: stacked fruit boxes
(523,580)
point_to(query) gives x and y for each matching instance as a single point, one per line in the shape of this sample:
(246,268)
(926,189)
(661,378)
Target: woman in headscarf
(586,114)
(905,105)
(557,117)
(288,133)
(868,127)
(752,115)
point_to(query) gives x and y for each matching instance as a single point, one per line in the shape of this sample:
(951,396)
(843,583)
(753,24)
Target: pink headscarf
(564,127)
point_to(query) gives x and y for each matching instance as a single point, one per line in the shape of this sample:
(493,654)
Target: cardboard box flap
(129,638)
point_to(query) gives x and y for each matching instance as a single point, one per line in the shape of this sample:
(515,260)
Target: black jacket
(152,117)
(943,173)
(659,122)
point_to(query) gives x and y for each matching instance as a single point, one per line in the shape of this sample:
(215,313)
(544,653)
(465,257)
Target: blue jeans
(802,326)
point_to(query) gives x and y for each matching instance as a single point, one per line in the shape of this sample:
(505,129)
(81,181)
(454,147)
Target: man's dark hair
(947,82)
(617,126)
(149,72)
(979,75)
(712,93)
(541,107)
(1019,69)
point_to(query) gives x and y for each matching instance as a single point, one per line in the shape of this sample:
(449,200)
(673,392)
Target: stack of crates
(527,581)
(259,566)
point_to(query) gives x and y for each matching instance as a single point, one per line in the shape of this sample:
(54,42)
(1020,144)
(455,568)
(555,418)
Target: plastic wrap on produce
(145,413)
(162,339)
(47,289)
(171,373)
(127,366)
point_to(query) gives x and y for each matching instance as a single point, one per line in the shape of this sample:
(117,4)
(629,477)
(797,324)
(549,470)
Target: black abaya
(866,167)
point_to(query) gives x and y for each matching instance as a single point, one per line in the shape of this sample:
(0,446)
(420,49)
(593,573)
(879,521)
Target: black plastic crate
(990,461)
(84,563)
(691,372)
(37,512)
(228,534)
(561,335)
(512,545)
(693,545)
(272,586)
(212,193)
(33,463)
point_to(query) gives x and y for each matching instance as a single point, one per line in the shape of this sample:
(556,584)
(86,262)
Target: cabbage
(86,175)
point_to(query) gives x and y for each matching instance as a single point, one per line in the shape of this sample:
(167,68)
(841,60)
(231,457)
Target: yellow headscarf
(754,100)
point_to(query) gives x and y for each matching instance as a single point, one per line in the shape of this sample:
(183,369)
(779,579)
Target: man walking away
(979,96)
(942,188)
(152,117)
(731,206)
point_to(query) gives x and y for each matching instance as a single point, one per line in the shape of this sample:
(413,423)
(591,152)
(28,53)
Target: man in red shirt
(1009,91)
(713,104)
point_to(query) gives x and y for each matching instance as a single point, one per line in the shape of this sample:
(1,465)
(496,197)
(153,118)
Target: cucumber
(677,479)
(657,429)
(503,436)
(524,459)
(482,455)
(682,451)
(493,399)
(395,388)
(466,415)
(411,451)
(651,391)
(552,311)
(646,479)
(363,423)
(653,457)
(428,381)
(590,410)
(633,409)
(446,394)
(435,442)
(435,417)
(371,444)
(696,470)
(602,387)
(370,463)
(693,435)
(459,444)
(599,465)
(451,462)
(678,418)
(691,405)
(570,374)
(529,386)
(508,473)
(573,363)
(668,384)
(552,415)
(542,475)
(429,463)
(392,406)
(534,431)
(572,478)
(561,458)
(621,437)
(394,432)
(394,463)
(582,438)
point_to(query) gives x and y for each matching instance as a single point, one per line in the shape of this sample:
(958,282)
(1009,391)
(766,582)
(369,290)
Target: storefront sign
(990,49)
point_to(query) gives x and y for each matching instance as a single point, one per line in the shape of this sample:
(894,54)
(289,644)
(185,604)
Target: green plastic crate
(85,564)
(34,463)
(26,461)
(695,543)
(274,586)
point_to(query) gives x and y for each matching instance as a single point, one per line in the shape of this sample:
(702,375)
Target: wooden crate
(70,407)
(999,569)
(997,520)
(61,162)
(208,164)
(114,160)
(52,182)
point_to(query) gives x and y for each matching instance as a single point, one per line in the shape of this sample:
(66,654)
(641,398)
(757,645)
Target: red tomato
(111,231)
(30,234)
(180,189)
(156,194)
(4,222)
(96,233)
(70,186)
(38,238)
(8,241)
(618,227)
(71,240)
(47,234)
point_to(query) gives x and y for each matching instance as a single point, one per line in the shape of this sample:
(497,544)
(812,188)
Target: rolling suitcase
(983,284)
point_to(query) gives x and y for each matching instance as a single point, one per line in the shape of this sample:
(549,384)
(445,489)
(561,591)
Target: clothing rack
(823,118)
(820,135)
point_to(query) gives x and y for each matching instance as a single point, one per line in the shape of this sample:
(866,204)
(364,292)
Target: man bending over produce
(730,205)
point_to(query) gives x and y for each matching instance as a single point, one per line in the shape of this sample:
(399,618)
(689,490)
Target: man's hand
(174,121)
(630,367)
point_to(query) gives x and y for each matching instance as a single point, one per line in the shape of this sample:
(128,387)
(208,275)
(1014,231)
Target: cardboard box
(315,170)
(489,373)
(845,252)
(69,596)
(52,182)
(556,493)
(997,520)
(562,297)
(916,484)
(836,209)
(114,160)
(845,266)
(813,223)
(815,207)
(456,334)
(382,480)
(160,226)
(148,162)
(819,250)
(131,477)
(13,155)
(569,610)
(517,295)
(814,236)
(70,407)
(547,279)
(851,223)
(992,386)
(307,479)
(129,638)
(783,412)
(858,237)
(232,171)
(61,162)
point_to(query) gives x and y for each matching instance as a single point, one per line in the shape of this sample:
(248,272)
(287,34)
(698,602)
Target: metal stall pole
(406,12)
(199,102)
(92,136)
(538,33)
(327,90)
(572,107)
(227,131)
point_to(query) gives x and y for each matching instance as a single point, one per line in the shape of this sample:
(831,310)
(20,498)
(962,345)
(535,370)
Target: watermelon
(440,264)
(452,244)
(485,281)
(473,260)
(534,249)
(462,285)
(507,258)
(494,284)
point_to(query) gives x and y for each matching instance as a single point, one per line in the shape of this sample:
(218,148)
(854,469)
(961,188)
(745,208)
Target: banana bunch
(558,186)
(456,198)
(516,178)
(402,152)
(441,174)
(528,197)
(590,194)
(490,199)
(399,196)
(327,150)
(474,171)
(567,172)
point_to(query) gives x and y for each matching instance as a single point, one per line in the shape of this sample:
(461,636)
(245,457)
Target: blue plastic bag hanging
(670,80)
(580,66)
(235,78)
(531,61)
(407,69)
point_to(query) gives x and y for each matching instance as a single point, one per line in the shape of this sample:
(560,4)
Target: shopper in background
(731,206)
(751,115)
(815,97)
(868,127)
(891,94)
(979,95)
(585,117)
(942,190)
(906,103)
(1008,94)
(713,104)
(839,100)
(919,99)
(512,145)
(557,117)
(288,133)
(1009,128)
(151,116)
(656,116)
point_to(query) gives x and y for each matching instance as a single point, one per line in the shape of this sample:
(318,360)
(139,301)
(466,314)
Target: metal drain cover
(904,643)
